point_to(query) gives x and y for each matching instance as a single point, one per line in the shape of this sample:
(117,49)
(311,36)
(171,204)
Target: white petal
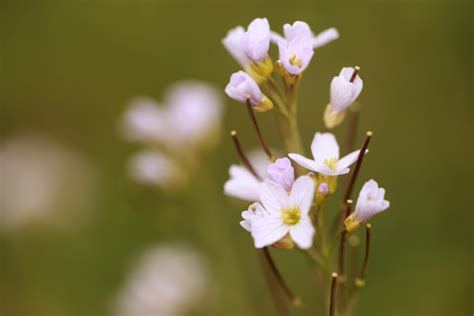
(272,196)
(232,43)
(245,225)
(304,162)
(276,38)
(298,28)
(302,194)
(268,230)
(348,160)
(242,184)
(324,146)
(302,233)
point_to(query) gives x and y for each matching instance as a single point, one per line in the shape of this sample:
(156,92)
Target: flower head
(281,213)
(370,202)
(194,110)
(255,42)
(282,173)
(232,42)
(242,183)
(345,89)
(242,88)
(296,54)
(326,160)
(144,121)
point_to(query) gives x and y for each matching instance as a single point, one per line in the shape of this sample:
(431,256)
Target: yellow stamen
(296,61)
(331,164)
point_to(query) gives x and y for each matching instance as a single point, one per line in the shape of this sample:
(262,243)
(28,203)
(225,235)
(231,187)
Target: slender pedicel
(265,148)
(295,300)
(360,280)
(342,242)
(360,158)
(332,302)
(242,155)
(354,74)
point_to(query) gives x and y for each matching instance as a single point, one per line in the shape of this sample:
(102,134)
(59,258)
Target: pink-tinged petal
(255,42)
(268,230)
(348,160)
(272,196)
(342,94)
(282,173)
(298,28)
(242,86)
(302,194)
(324,146)
(302,233)
(325,37)
(276,38)
(245,225)
(242,184)
(232,43)
(303,161)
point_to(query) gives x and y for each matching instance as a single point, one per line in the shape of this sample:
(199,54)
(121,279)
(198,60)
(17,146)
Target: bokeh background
(69,67)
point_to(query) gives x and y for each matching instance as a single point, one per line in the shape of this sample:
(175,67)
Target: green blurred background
(68,68)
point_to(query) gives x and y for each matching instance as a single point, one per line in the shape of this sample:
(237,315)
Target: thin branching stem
(264,145)
(243,157)
(363,270)
(332,301)
(342,242)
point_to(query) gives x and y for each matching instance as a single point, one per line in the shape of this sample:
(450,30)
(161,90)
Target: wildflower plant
(289,194)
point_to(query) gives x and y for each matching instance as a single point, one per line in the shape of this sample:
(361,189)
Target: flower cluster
(289,193)
(173,133)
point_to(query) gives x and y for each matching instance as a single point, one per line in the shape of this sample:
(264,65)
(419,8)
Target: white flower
(302,28)
(343,91)
(242,87)
(153,168)
(232,42)
(296,54)
(194,111)
(169,280)
(370,202)
(281,213)
(144,121)
(242,183)
(282,173)
(326,160)
(255,42)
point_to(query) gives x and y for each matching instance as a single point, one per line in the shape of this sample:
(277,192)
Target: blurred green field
(68,69)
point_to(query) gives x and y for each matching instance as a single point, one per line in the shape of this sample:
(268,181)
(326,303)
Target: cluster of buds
(172,134)
(289,193)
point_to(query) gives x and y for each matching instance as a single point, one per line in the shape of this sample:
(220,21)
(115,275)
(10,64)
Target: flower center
(331,164)
(296,61)
(291,216)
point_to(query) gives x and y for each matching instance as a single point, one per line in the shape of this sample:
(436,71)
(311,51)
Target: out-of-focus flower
(326,160)
(194,111)
(296,54)
(255,42)
(243,87)
(282,173)
(242,183)
(144,121)
(43,181)
(281,213)
(232,42)
(370,202)
(168,280)
(345,89)
(153,168)
(302,28)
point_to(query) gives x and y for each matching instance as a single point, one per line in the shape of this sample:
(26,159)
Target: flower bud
(255,42)
(331,118)
(282,173)
(345,89)
(242,88)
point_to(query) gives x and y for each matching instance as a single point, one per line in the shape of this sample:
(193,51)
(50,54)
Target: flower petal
(349,159)
(325,37)
(324,146)
(302,233)
(268,230)
(302,194)
(272,196)
(303,161)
